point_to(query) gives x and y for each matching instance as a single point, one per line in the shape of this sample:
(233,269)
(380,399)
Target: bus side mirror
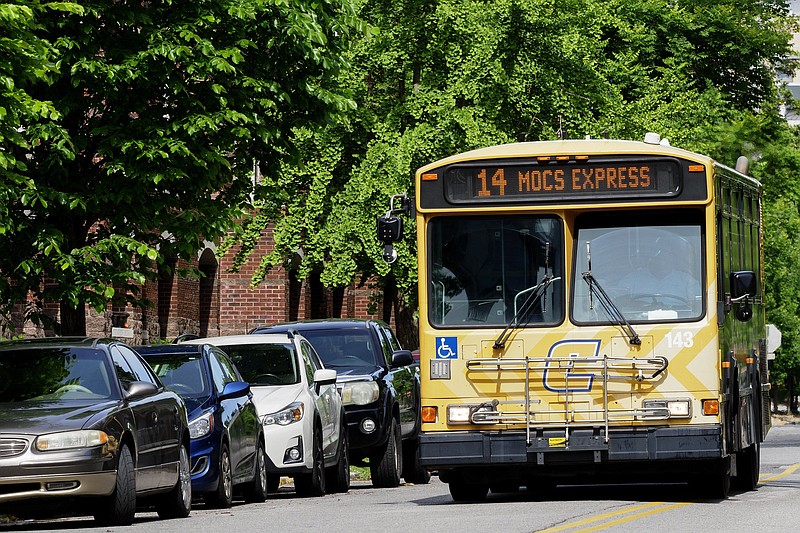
(390,229)
(743,286)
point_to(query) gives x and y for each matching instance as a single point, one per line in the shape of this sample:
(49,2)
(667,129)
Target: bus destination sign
(619,179)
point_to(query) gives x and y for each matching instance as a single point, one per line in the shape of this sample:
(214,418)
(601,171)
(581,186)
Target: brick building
(220,302)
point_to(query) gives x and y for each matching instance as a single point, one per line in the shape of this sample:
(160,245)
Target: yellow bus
(588,309)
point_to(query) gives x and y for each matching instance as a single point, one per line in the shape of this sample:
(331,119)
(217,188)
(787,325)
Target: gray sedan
(87,420)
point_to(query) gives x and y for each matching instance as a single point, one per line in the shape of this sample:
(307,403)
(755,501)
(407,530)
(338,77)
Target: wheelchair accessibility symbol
(446,347)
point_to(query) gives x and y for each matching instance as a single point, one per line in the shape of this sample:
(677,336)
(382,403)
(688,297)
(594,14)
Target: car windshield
(339,348)
(54,374)
(183,373)
(265,364)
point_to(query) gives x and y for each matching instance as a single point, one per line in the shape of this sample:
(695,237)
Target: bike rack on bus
(609,369)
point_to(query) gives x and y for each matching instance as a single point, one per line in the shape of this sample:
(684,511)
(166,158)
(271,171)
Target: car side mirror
(140,389)
(324,376)
(402,358)
(235,389)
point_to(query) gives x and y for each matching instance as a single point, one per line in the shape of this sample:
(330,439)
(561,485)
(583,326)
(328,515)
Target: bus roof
(568,147)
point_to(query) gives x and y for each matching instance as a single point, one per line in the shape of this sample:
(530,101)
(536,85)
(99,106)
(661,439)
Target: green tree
(161,110)
(437,77)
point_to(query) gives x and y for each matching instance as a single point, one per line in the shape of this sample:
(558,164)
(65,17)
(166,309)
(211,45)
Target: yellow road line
(601,517)
(628,514)
(783,474)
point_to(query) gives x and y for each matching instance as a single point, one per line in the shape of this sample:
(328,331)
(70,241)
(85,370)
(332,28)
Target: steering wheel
(72,387)
(651,301)
(267,378)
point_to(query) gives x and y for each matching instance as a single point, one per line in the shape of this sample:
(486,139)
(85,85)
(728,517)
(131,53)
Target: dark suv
(379,383)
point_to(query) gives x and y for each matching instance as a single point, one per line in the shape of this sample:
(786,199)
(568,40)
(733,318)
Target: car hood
(37,418)
(356,372)
(271,399)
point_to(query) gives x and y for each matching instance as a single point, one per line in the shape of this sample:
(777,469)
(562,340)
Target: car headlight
(288,415)
(201,426)
(86,438)
(359,392)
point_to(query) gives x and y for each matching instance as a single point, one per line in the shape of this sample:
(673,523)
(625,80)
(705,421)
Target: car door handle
(153,418)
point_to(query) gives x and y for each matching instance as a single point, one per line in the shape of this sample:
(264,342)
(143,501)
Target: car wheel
(338,476)
(178,502)
(413,472)
(385,467)
(222,498)
(119,508)
(313,484)
(256,491)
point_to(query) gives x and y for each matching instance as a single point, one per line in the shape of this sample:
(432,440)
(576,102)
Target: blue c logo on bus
(446,347)
(571,348)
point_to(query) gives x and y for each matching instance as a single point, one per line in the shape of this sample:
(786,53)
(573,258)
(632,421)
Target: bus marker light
(710,407)
(430,177)
(697,168)
(429,414)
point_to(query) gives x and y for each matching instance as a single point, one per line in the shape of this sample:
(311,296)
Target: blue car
(227,441)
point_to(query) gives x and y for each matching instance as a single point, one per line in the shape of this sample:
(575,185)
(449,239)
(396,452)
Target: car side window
(309,366)
(228,366)
(218,374)
(121,366)
(392,339)
(386,348)
(309,351)
(137,366)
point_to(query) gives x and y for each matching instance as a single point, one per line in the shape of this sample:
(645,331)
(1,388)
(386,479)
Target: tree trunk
(73,321)
(405,325)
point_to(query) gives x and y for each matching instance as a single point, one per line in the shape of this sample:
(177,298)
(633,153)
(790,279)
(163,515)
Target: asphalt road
(429,508)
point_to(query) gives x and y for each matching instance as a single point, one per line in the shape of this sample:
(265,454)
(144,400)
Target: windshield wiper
(608,304)
(535,293)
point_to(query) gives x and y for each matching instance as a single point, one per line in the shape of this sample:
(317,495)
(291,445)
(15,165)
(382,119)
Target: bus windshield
(483,269)
(651,269)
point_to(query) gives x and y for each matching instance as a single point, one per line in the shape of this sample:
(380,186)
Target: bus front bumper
(444,450)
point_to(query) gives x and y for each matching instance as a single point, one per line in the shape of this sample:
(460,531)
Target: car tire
(313,484)
(413,472)
(338,476)
(256,490)
(386,466)
(119,508)
(222,498)
(178,502)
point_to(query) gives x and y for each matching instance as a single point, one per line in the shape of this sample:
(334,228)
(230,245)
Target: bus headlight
(677,408)
(484,413)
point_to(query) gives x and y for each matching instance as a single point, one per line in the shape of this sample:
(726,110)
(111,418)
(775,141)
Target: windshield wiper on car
(615,315)
(535,293)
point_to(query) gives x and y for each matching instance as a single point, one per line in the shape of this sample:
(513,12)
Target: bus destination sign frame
(504,181)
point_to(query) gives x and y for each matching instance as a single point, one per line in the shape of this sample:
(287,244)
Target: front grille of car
(11,447)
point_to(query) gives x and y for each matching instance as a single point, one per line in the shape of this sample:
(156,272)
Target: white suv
(304,423)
